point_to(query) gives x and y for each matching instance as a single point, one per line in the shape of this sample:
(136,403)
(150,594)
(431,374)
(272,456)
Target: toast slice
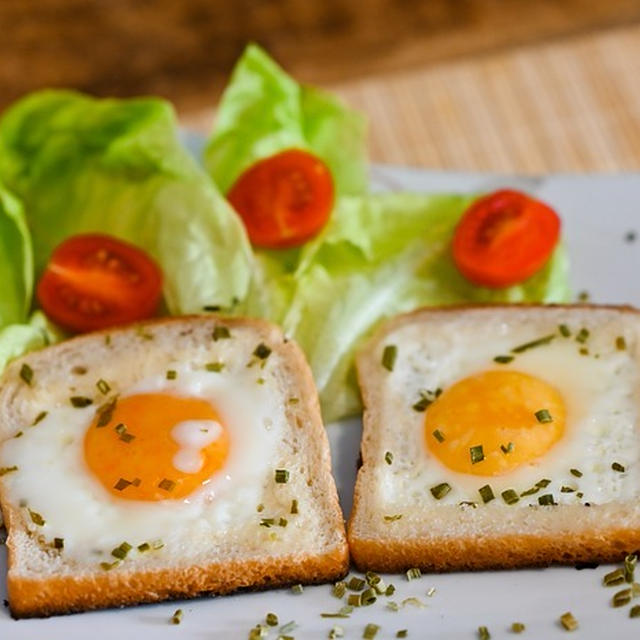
(272,519)
(576,501)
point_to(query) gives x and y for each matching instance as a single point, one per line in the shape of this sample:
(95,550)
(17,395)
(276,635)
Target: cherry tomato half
(285,199)
(96,281)
(504,238)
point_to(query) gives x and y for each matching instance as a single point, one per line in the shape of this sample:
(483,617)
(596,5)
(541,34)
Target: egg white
(600,391)
(55,481)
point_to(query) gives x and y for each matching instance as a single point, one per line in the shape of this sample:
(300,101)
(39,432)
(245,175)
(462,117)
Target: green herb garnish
(167,485)
(36,518)
(356,584)
(121,551)
(58,543)
(414,574)
(103,387)
(297,588)
(282,522)
(543,416)
(388,457)
(172,374)
(281,476)
(105,412)
(508,448)
(122,484)
(220,332)
(517,627)
(576,472)
(476,453)
(510,496)
(294,507)
(483,633)
(621,343)
(564,330)
(440,490)
(630,562)
(368,597)
(616,466)
(426,398)
(389,591)
(546,500)
(370,631)
(533,344)
(39,418)
(107,566)
(79,402)
(402,633)
(389,356)
(621,598)
(545,482)
(176,618)
(336,632)
(354,600)
(634,612)
(565,489)
(438,435)
(144,547)
(503,359)
(215,367)
(339,589)
(26,373)
(582,336)
(393,518)
(262,351)
(613,578)
(568,621)
(5,470)
(486,493)
(271,619)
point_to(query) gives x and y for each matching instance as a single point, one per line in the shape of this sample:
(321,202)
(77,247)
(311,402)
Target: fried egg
(528,403)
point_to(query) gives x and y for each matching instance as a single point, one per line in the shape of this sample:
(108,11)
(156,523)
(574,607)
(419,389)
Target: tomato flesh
(504,238)
(284,200)
(94,281)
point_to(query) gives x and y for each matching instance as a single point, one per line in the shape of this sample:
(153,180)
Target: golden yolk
(492,409)
(142,467)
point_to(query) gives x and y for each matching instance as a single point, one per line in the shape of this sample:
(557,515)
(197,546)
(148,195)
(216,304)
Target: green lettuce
(116,166)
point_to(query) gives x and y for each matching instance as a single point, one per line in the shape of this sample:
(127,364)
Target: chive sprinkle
(402,633)
(543,416)
(388,457)
(503,359)
(79,402)
(122,484)
(613,578)
(582,336)
(172,374)
(508,448)
(103,387)
(533,344)
(26,373)
(565,489)
(167,485)
(262,351)
(5,470)
(107,566)
(389,356)
(297,588)
(294,507)
(477,454)
(564,330)
(220,332)
(105,413)
(271,619)
(517,627)
(215,367)
(370,631)
(267,522)
(546,500)
(283,522)
(438,435)
(339,589)
(281,476)
(121,551)
(414,574)
(616,466)
(427,397)
(36,518)
(176,618)
(630,566)
(336,632)
(483,633)
(576,472)
(545,482)
(389,591)
(568,621)
(510,496)
(634,612)
(58,543)
(440,490)
(621,343)
(486,493)
(621,598)
(356,584)
(145,546)
(393,518)
(368,597)
(39,418)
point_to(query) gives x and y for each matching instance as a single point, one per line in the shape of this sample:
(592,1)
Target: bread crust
(31,596)
(440,553)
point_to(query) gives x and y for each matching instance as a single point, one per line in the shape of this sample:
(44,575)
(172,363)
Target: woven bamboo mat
(569,105)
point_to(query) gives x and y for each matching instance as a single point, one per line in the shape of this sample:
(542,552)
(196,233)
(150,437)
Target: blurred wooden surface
(515,85)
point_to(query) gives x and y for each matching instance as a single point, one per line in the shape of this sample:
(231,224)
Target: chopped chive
(176,618)
(616,466)
(121,551)
(533,344)
(576,472)
(476,453)
(271,619)
(503,359)
(297,588)
(393,518)
(5,470)
(356,584)
(36,518)
(431,591)
(136,482)
(389,356)
(120,428)
(344,612)
(215,367)
(545,482)
(621,598)
(510,496)
(630,566)
(427,397)
(486,493)
(58,543)
(281,476)
(105,413)
(388,457)
(267,522)
(339,589)
(483,633)
(157,544)
(530,492)
(543,416)
(438,435)
(582,336)
(283,522)
(546,499)
(583,351)
(613,578)
(79,402)
(372,578)
(568,621)
(621,343)
(258,632)
(517,627)
(508,448)
(370,631)
(440,490)
(103,387)
(354,600)
(336,632)
(286,628)
(107,566)
(39,418)
(368,597)
(294,400)
(127,437)
(144,547)
(564,330)
(634,612)
(262,351)
(172,374)
(389,591)
(19,434)
(122,484)
(402,633)
(167,485)
(294,507)
(260,508)
(394,606)
(579,494)
(220,332)
(414,574)
(26,373)
(468,503)
(565,489)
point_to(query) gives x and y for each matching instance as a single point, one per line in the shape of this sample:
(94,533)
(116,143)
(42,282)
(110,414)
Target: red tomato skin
(504,238)
(285,199)
(95,281)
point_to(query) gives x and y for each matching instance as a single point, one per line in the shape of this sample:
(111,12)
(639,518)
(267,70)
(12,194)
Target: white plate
(598,212)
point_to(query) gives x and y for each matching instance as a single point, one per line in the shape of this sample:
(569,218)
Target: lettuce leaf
(264,111)
(16,261)
(116,166)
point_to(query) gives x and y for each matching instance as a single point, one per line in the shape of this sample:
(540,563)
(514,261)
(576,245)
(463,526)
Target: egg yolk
(491,410)
(155,446)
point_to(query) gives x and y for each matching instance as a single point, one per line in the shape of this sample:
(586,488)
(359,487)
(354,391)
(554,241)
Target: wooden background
(513,85)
